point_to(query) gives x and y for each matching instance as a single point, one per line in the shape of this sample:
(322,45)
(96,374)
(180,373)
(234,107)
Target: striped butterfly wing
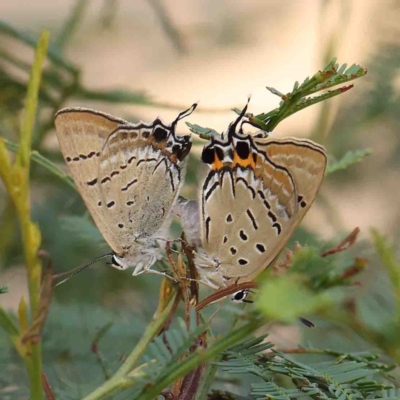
(82,134)
(141,171)
(250,202)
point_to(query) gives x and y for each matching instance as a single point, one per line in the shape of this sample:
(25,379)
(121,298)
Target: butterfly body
(129,176)
(257,191)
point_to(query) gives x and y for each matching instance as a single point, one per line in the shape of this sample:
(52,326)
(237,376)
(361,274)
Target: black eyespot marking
(260,247)
(130,203)
(145,134)
(131,159)
(220,153)
(225,239)
(243,150)
(160,134)
(272,216)
(243,235)
(99,203)
(266,204)
(98,154)
(69,159)
(229,218)
(123,166)
(207,156)
(147,198)
(252,219)
(104,180)
(114,173)
(91,154)
(92,183)
(111,204)
(120,226)
(75,159)
(82,157)
(242,261)
(278,228)
(233,251)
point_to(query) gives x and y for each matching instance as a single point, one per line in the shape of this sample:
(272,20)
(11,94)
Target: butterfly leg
(142,268)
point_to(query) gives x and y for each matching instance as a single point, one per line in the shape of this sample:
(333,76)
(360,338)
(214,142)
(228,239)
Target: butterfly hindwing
(254,196)
(129,175)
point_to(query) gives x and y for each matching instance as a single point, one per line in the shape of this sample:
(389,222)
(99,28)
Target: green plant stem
(119,379)
(30,232)
(16,180)
(201,356)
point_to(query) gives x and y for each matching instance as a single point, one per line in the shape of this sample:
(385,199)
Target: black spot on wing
(128,185)
(142,160)
(278,228)
(260,247)
(160,134)
(300,200)
(92,183)
(242,235)
(272,216)
(208,220)
(252,218)
(242,149)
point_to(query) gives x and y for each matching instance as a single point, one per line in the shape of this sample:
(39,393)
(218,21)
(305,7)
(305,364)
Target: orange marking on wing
(248,162)
(217,164)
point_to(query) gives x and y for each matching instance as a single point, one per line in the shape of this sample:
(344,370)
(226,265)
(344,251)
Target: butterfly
(129,176)
(255,194)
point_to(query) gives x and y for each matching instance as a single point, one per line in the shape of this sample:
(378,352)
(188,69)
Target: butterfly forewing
(82,134)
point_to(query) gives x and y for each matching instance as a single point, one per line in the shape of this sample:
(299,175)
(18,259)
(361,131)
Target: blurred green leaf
(3,289)
(350,158)
(286,298)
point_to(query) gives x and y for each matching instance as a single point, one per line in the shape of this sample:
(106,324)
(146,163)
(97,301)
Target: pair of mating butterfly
(255,194)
